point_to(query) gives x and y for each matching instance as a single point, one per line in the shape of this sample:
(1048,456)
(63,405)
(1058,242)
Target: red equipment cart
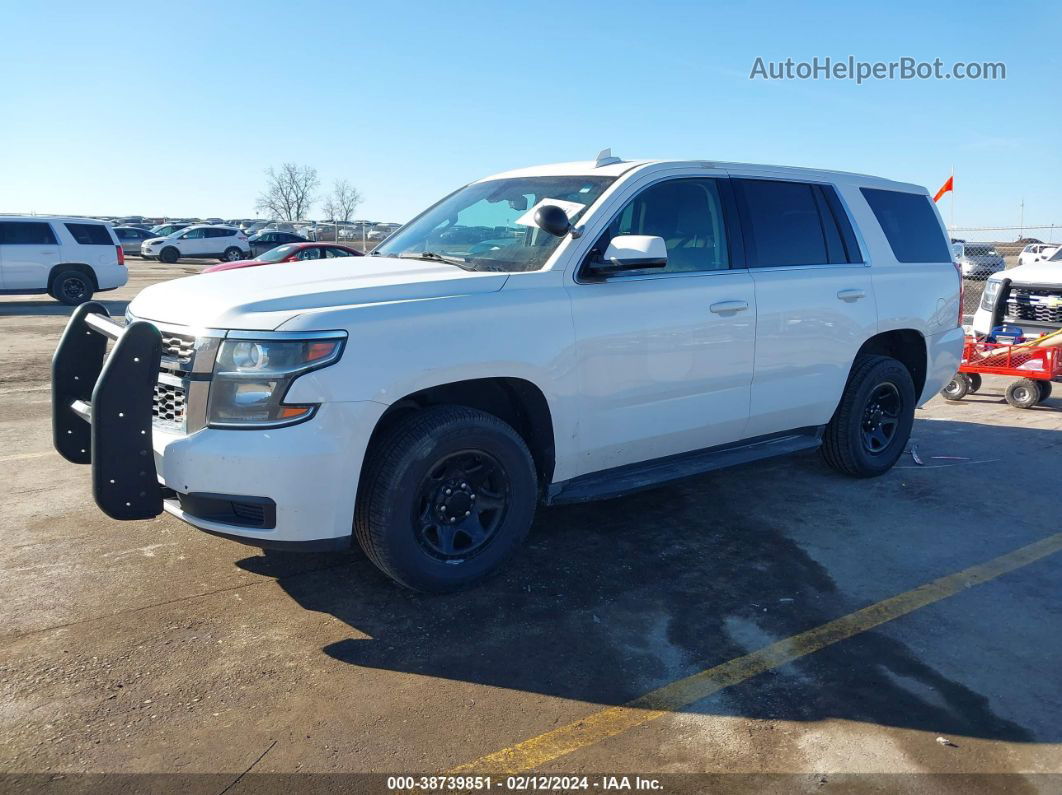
(1035,368)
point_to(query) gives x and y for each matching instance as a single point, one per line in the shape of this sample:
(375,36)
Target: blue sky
(177,109)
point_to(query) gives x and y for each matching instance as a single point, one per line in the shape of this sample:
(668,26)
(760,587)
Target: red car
(290,252)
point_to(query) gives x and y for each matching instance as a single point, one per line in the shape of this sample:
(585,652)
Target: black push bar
(101,408)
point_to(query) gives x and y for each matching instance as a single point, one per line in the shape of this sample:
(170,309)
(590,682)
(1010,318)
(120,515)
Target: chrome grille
(168,404)
(179,346)
(1041,306)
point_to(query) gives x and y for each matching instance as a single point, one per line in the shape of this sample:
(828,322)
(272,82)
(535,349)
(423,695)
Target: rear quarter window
(909,224)
(90,234)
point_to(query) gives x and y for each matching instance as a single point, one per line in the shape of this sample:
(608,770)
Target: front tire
(871,426)
(447,497)
(169,255)
(72,287)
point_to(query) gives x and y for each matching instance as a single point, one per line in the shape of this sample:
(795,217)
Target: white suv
(610,326)
(68,258)
(200,241)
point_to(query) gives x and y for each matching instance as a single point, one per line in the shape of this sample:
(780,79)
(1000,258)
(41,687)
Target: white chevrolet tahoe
(67,258)
(548,335)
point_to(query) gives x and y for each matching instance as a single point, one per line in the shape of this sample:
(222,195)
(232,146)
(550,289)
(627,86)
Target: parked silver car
(130,238)
(977,260)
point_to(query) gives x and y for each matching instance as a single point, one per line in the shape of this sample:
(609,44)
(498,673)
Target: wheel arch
(907,346)
(81,267)
(516,401)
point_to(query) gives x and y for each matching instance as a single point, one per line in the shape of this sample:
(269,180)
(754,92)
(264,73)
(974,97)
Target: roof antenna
(605,158)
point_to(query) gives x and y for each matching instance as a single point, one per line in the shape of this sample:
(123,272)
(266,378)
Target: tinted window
(687,214)
(310,253)
(90,234)
(337,252)
(909,223)
(26,233)
(193,234)
(782,223)
(219,232)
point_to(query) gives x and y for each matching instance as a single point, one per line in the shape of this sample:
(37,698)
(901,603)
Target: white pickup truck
(553,334)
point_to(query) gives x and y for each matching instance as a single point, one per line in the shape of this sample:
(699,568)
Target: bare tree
(289,193)
(340,206)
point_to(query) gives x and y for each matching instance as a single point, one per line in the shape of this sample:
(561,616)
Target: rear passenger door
(814,300)
(28,250)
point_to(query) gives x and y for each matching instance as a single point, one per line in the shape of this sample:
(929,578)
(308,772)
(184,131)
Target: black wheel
(72,287)
(447,496)
(232,254)
(1045,390)
(975,381)
(169,255)
(1023,394)
(872,423)
(958,387)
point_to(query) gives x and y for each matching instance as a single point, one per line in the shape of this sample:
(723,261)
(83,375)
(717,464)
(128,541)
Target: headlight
(251,378)
(988,297)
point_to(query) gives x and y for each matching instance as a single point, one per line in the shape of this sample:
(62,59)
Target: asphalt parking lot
(150,647)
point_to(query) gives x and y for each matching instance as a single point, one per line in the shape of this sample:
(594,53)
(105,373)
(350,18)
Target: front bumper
(303,478)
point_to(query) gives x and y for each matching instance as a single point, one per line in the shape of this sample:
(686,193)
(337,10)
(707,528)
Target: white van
(68,258)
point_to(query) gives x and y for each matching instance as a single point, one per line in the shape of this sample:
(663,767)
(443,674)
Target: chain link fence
(981,251)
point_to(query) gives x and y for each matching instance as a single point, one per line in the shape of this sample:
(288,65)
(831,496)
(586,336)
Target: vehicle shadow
(610,600)
(50,308)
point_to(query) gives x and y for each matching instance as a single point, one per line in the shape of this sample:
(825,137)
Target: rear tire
(871,426)
(447,496)
(169,255)
(1045,390)
(1023,394)
(958,387)
(232,254)
(72,287)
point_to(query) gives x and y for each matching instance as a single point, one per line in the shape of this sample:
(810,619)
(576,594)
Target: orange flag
(949,185)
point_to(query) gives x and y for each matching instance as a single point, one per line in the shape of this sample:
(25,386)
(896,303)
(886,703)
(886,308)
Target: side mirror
(553,219)
(632,252)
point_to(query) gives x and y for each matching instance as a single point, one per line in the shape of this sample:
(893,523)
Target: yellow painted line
(23,456)
(606,723)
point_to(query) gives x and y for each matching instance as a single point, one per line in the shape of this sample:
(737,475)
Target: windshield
(277,254)
(488,226)
(1057,256)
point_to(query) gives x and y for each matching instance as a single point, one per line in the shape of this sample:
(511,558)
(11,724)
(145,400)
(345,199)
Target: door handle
(723,307)
(851,295)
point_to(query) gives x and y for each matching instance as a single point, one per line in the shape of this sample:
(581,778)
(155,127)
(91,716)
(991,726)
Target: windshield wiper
(431,256)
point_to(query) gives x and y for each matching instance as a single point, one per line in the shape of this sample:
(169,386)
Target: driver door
(665,356)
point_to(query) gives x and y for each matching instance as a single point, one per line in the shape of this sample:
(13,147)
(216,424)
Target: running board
(628,479)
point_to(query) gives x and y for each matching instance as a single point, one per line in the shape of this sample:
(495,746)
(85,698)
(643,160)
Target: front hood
(264,298)
(1046,273)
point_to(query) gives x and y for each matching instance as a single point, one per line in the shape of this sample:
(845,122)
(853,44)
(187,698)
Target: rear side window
(909,224)
(90,234)
(220,232)
(783,225)
(26,233)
